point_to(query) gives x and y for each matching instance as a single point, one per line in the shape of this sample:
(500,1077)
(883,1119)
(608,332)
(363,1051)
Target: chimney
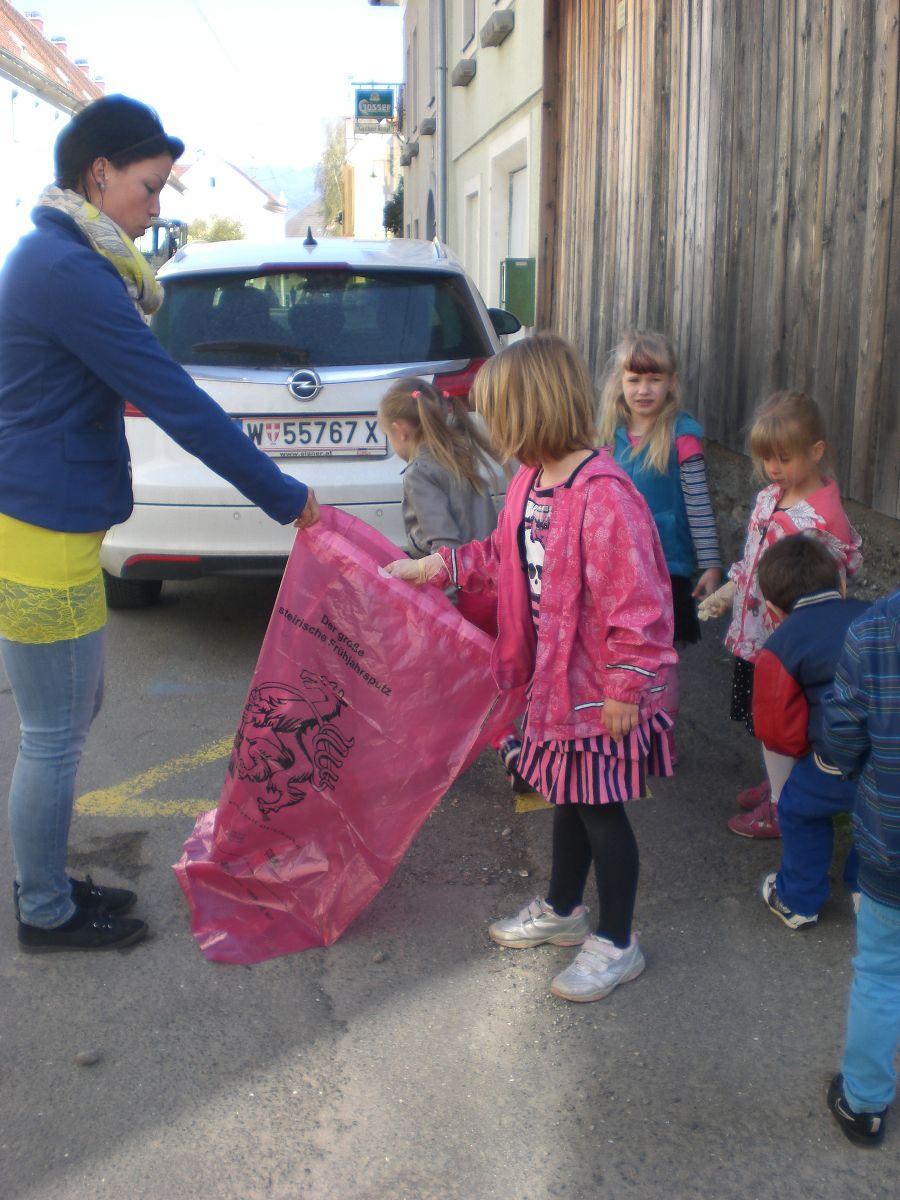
(61,43)
(83,65)
(100,83)
(36,19)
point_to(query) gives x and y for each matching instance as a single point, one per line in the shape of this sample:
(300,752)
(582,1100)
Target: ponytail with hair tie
(440,423)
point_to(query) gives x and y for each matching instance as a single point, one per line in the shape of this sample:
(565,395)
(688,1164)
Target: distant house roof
(272,204)
(311,217)
(36,64)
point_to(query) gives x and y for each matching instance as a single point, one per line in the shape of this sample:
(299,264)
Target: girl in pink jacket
(585,623)
(787,444)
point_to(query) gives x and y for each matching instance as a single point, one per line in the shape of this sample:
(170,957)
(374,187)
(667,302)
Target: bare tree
(330,175)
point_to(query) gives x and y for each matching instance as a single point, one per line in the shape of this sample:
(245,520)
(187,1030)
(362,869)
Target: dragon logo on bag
(288,737)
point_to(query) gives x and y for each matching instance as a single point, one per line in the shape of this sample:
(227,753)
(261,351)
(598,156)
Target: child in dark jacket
(862,735)
(801,583)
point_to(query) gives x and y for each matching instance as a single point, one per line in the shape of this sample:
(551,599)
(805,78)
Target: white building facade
(371,174)
(490,53)
(214,187)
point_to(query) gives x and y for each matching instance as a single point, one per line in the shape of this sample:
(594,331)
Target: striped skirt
(597,770)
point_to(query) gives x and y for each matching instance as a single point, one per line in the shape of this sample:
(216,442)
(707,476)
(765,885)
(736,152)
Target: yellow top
(51,586)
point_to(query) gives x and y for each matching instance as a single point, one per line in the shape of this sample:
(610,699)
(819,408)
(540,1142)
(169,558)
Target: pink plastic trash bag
(369,697)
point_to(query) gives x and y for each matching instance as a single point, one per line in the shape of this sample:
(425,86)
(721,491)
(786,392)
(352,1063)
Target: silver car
(297,341)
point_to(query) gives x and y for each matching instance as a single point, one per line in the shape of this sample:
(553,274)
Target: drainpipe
(442,139)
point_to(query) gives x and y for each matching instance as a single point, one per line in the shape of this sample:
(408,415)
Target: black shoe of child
(509,751)
(83,931)
(518,784)
(865,1128)
(91,897)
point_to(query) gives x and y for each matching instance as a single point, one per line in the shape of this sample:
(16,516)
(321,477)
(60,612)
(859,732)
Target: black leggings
(602,834)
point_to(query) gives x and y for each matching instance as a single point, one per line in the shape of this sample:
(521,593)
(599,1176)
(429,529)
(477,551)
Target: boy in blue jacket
(862,734)
(801,583)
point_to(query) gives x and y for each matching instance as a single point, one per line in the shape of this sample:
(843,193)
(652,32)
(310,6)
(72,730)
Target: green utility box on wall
(517,288)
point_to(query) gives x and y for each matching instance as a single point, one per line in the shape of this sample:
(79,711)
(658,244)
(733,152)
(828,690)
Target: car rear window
(321,317)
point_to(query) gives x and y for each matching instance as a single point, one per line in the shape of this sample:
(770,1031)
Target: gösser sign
(374,104)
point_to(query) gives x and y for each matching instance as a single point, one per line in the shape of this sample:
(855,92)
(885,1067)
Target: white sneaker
(538,923)
(599,968)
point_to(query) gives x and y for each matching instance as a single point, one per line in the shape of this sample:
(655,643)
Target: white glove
(416,570)
(716,604)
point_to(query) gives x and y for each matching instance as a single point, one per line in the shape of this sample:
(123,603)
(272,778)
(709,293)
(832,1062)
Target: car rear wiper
(282,349)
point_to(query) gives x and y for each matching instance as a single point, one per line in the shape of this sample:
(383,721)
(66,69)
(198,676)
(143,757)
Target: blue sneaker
(776,905)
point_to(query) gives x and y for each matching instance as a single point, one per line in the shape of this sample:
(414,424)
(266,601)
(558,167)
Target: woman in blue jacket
(75,295)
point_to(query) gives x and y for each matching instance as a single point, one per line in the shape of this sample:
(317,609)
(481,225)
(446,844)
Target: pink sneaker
(762,822)
(749,798)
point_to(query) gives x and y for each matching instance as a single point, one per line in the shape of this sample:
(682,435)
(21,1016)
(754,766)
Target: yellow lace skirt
(51,586)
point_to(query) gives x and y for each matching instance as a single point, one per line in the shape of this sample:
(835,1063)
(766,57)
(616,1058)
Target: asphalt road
(413,1060)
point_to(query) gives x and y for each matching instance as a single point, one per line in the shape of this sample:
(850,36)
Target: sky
(256,81)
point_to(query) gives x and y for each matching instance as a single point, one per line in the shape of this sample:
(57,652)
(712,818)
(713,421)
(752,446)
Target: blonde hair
(641,352)
(537,400)
(787,423)
(442,424)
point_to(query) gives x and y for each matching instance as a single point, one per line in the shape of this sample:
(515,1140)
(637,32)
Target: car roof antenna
(309,240)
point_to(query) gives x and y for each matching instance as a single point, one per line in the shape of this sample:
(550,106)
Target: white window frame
(509,153)
(472,188)
(469,22)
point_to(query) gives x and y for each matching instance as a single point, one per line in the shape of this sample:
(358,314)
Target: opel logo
(304,385)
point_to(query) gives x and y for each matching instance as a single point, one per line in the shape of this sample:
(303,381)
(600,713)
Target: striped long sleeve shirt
(701,519)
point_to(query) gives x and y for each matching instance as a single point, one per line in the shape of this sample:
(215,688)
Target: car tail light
(459,383)
(131,411)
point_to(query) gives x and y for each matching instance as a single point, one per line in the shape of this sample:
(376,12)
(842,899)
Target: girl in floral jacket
(787,443)
(585,623)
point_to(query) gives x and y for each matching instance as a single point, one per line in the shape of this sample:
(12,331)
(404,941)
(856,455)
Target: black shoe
(509,750)
(518,784)
(90,897)
(84,931)
(864,1128)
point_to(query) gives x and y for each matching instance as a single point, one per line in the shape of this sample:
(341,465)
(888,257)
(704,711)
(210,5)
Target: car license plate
(355,435)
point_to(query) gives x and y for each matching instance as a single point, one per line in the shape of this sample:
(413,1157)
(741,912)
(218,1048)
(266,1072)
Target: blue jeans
(873,1021)
(809,800)
(58,689)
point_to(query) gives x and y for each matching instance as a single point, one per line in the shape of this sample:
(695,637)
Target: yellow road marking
(535,802)
(129,798)
(530,802)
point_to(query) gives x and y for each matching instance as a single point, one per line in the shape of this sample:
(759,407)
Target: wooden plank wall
(727,170)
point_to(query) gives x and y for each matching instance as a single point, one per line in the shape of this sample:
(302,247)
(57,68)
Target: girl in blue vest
(660,447)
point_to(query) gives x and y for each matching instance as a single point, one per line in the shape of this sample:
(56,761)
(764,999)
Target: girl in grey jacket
(450,473)
(447,496)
